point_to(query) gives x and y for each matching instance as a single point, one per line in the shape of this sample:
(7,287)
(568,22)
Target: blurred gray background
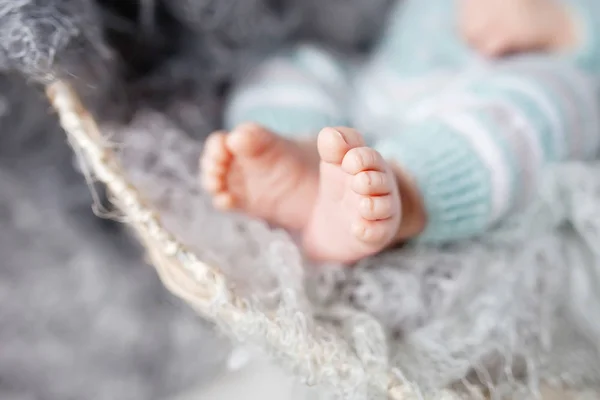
(81,315)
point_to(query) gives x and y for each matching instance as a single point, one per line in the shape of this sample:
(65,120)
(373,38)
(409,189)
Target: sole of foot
(357,211)
(257,172)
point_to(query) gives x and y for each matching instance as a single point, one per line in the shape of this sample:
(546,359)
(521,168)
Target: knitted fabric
(297,92)
(586,12)
(475,138)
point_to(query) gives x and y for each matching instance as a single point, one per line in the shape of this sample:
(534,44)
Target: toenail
(367,180)
(368,158)
(367,204)
(335,132)
(212,184)
(362,158)
(223,201)
(214,169)
(358,161)
(367,234)
(359,229)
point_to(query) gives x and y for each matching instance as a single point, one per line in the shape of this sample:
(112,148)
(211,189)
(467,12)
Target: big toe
(250,140)
(334,143)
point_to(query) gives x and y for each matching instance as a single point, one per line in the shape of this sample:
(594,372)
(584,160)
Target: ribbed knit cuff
(587,14)
(453,181)
(287,121)
(300,91)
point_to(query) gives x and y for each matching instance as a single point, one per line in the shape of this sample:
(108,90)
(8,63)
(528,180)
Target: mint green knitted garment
(474,135)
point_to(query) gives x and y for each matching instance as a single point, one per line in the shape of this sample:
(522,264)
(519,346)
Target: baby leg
(295,93)
(470,163)
(266,163)
(481,156)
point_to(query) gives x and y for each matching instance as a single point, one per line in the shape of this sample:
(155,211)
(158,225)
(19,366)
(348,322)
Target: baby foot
(499,27)
(261,174)
(357,211)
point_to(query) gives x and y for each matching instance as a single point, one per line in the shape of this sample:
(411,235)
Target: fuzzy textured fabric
(509,311)
(81,311)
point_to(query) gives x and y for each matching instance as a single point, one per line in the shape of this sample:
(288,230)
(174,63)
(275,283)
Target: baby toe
(249,140)
(371,183)
(211,167)
(223,201)
(215,149)
(370,232)
(362,159)
(375,208)
(213,183)
(334,143)
(215,157)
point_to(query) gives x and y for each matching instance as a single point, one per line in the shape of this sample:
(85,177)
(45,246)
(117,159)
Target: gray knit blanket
(81,313)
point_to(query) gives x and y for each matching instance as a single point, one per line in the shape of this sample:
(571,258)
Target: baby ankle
(414,216)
